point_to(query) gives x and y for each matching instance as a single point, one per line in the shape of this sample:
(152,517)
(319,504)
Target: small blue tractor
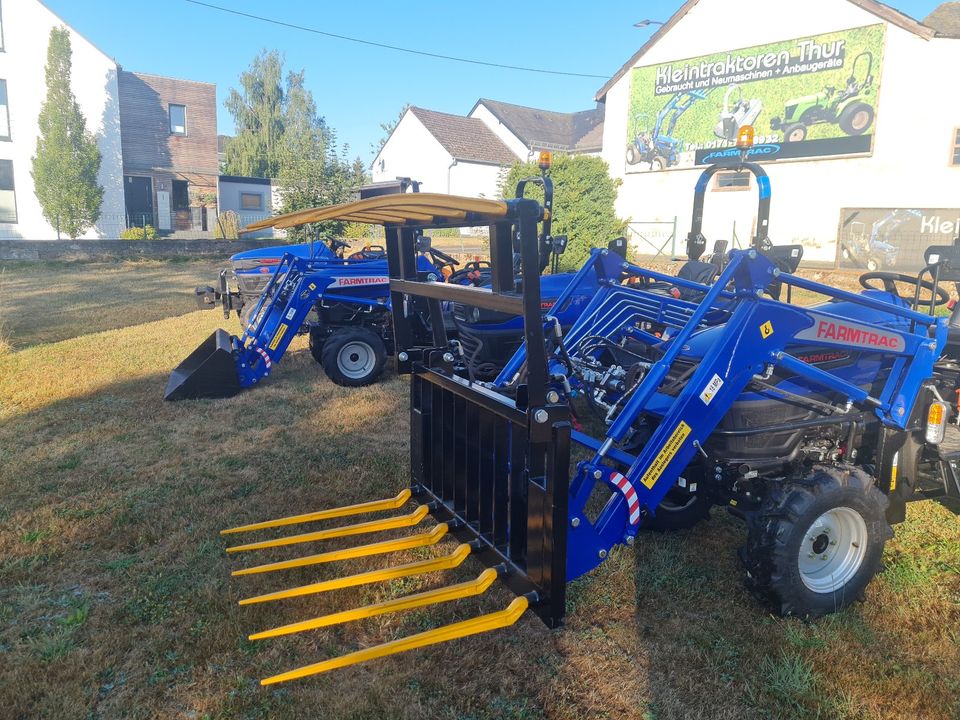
(656,145)
(344,305)
(813,424)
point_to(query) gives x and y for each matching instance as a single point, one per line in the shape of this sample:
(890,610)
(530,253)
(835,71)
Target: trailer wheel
(817,542)
(353,356)
(679,510)
(856,119)
(317,340)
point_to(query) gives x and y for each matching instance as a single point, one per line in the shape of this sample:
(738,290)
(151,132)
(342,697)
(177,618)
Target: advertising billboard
(806,98)
(893,238)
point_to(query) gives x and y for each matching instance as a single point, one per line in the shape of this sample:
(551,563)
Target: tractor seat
(694,270)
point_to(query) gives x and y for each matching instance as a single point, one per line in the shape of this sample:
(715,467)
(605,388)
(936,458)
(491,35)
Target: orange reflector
(745,137)
(936,418)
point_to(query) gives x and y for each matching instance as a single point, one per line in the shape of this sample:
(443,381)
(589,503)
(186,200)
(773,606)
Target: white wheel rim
(356,360)
(832,550)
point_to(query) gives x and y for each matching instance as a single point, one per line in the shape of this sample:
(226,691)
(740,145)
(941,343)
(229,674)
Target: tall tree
(257,110)
(67,160)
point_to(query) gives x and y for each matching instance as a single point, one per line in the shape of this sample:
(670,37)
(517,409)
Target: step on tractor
(849,108)
(814,424)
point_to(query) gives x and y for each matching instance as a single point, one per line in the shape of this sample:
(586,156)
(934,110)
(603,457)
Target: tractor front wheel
(797,132)
(317,340)
(817,542)
(856,119)
(353,356)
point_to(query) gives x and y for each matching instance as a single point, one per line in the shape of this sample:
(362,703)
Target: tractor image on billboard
(848,108)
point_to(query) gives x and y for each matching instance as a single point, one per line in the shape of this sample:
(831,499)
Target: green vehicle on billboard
(847,108)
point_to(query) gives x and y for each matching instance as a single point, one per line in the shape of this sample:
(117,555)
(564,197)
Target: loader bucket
(210,371)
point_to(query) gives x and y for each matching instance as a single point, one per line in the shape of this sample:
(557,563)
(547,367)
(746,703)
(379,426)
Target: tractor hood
(270,256)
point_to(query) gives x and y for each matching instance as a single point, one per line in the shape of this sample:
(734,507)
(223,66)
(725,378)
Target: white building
(470,155)
(24,36)
(850,99)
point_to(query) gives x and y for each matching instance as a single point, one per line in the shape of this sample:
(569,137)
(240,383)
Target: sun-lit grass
(116,599)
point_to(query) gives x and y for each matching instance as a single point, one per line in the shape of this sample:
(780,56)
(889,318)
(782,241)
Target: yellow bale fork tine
(446,562)
(371,526)
(470,588)
(379,548)
(474,626)
(345,511)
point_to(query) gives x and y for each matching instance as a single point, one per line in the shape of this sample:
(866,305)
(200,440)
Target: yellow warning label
(766,330)
(278,336)
(663,458)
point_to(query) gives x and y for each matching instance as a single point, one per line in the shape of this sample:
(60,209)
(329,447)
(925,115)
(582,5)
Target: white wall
(916,114)
(516,145)
(476,179)
(26,32)
(413,152)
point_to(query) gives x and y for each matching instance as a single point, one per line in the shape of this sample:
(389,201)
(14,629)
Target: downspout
(449,168)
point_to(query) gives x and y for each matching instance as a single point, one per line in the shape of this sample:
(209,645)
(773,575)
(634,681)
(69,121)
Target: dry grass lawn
(116,599)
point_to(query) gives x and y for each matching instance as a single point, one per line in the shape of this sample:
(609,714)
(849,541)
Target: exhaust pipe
(210,371)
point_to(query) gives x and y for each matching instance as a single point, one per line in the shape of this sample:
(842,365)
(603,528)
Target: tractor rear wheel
(856,119)
(353,356)
(817,542)
(633,157)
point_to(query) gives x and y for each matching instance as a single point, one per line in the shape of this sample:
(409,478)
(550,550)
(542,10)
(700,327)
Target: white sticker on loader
(290,313)
(711,390)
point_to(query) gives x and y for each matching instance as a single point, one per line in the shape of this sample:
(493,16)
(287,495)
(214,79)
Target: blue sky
(357,87)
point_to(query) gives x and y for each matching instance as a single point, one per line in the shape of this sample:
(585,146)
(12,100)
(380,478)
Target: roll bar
(696,242)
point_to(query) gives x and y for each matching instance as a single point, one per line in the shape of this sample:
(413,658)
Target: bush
(583,203)
(149,232)
(228,226)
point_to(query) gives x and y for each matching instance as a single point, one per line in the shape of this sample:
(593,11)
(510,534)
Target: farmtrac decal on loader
(359,281)
(833,331)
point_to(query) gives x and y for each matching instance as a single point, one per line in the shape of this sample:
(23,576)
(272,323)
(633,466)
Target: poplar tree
(67,160)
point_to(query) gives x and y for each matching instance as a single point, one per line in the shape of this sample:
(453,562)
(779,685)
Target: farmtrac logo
(830,331)
(358,281)
(767,149)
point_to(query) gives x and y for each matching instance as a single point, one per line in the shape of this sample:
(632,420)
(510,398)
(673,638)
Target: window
(180,198)
(178,119)
(251,201)
(955,154)
(4,112)
(731,181)
(8,197)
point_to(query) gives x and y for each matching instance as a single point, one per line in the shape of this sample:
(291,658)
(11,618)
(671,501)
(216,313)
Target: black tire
(856,118)
(791,535)
(679,510)
(872,265)
(246,314)
(632,156)
(317,340)
(795,132)
(659,163)
(353,356)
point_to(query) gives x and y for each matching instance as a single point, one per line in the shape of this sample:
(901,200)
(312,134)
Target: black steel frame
(494,469)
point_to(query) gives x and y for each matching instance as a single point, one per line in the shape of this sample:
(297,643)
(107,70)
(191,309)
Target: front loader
(491,470)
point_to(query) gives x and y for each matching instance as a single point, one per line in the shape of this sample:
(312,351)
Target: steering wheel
(338,246)
(475,272)
(443,258)
(889,281)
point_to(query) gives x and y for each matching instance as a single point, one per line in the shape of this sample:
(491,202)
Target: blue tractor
(815,425)
(656,145)
(344,305)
